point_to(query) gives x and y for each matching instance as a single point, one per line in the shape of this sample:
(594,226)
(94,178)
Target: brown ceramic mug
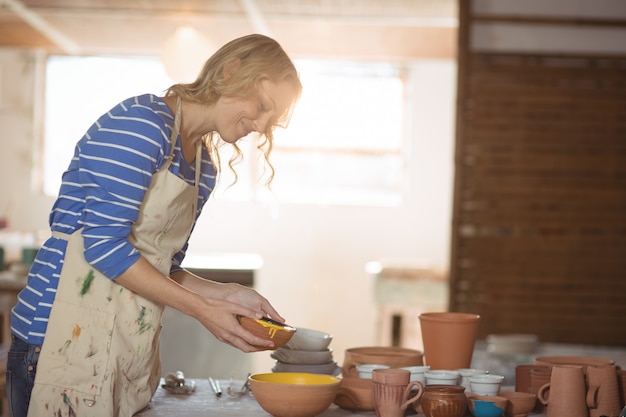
(393,391)
(603,397)
(567,392)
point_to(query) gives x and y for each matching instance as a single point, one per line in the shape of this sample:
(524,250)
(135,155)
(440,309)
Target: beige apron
(100,355)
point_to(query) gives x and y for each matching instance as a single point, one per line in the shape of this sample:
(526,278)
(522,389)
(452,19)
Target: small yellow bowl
(279,333)
(294,394)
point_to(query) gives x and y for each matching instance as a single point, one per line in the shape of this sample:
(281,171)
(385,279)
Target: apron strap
(173,135)
(60,235)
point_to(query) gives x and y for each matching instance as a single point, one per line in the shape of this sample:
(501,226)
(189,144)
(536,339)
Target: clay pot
(448,339)
(278,333)
(443,401)
(567,392)
(394,357)
(603,397)
(583,361)
(520,403)
(522,378)
(355,394)
(621,380)
(540,376)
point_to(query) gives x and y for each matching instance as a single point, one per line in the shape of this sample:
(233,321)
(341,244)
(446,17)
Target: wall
(313,257)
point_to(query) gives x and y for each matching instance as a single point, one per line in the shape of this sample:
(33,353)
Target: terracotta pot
(522,378)
(443,401)
(603,397)
(394,357)
(520,403)
(540,376)
(621,380)
(448,339)
(355,394)
(567,392)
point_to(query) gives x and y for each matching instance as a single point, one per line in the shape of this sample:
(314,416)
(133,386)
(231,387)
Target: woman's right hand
(220,318)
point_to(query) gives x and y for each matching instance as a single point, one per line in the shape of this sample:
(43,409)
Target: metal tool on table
(176,384)
(245,388)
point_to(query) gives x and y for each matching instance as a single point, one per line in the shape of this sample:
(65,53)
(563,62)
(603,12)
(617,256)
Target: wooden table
(204,402)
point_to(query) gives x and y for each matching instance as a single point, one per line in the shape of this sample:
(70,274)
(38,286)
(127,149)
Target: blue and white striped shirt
(102,192)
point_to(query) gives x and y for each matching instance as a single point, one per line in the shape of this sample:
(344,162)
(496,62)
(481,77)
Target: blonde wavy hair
(259,58)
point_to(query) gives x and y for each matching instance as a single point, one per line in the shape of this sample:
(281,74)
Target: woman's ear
(231,67)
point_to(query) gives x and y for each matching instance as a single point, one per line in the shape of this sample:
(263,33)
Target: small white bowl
(486,384)
(442,377)
(417,373)
(365,370)
(309,339)
(466,373)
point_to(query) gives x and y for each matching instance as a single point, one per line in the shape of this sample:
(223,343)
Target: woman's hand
(219,317)
(248,297)
(214,304)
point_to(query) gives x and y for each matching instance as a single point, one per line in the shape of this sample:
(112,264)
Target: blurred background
(446,155)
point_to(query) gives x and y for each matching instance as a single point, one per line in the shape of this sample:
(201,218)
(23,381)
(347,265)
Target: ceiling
(371,29)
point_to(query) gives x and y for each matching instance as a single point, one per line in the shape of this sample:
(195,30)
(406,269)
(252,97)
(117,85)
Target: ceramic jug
(603,397)
(567,392)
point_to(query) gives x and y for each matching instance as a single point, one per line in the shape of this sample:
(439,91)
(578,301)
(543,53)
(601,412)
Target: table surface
(204,402)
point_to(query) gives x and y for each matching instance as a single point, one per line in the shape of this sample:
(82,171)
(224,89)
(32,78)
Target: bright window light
(344,144)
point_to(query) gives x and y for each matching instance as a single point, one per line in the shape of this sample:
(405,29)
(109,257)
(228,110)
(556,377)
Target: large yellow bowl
(294,394)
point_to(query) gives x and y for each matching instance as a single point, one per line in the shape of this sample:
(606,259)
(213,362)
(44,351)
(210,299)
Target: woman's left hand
(245,296)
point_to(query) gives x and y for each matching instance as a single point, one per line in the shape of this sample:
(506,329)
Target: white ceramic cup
(443,377)
(365,370)
(417,373)
(466,373)
(486,384)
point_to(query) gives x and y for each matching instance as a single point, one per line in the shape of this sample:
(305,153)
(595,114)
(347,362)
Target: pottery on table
(393,391)
(583,361)
(448,339)
(291,394)
(466,373)
(567,392)
(520,403)
(603,397)
(303,357)
(355,394)
(621,380)
(330,368)
(486,384)
(279,333)
(443,401)
(487,405)
(540,376)
(309,339)
(418,373)
(394,357)
(365,370)
(442,377)
(522,377)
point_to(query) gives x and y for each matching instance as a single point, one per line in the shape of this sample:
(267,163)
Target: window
(344,144)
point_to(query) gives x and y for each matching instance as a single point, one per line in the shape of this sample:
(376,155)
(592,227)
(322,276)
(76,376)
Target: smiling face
(237,117)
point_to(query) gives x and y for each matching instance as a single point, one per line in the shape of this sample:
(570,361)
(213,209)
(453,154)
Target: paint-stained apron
(100,355)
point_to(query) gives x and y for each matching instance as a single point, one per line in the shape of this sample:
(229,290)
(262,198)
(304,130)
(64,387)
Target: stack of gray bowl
(307,351)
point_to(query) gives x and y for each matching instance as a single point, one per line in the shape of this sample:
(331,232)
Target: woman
(86,327)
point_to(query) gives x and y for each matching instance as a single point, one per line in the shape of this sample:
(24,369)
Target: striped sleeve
(124,148)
